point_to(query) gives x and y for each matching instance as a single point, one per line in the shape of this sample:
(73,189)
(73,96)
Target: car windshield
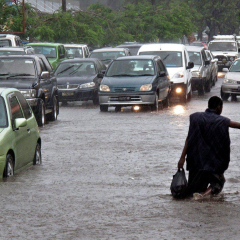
(170,58)
(49,52)
(16,67)
(133,50)
(75,69)
(108,55)
(5,43)
(235,66)
(197,44)
(195,57)
(3,114)
(129,67)
(223,46)
(75,52)
(4,52)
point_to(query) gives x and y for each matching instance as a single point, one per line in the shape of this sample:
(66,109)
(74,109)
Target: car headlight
(30,93)
(178,75)
(146,87)
(87,85)
(104,88)
(229,81)
(196,74)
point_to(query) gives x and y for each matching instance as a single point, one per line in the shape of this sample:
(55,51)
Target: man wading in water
(208,150)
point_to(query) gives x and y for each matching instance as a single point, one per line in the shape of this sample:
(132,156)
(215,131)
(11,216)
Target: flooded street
(107,176)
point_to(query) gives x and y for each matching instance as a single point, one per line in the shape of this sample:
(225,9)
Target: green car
(19,134)
(54,52)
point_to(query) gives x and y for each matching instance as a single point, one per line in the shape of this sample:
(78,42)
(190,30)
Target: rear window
(5,43)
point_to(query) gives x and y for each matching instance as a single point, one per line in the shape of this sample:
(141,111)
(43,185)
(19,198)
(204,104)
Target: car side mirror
(45,75)
(225,70)
(100,75)
(162,74)
(190,65)
(207,62)
(20,122)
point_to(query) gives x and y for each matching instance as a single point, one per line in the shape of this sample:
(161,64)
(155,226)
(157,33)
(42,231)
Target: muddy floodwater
(107,176)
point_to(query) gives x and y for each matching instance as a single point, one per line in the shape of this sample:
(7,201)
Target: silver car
(231,83)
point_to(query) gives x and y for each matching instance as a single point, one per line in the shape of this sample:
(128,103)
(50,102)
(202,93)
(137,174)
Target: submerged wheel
(103,108)
(201,90)
(54,113)
(154,107)
(38,155)
(224,96)
(9,167)
(41,118)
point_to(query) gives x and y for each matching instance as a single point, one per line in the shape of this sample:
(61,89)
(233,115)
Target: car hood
(75,80)
(216,53)
(128,81)
(233,76)
(173,70)
(17,83)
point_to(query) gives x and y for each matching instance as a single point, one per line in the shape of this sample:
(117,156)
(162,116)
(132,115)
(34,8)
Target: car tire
(9,167)
(154,107)
(53,115)
(234,97)
(201,89)
(41,117)
(103,108)
(208,86)
(166,102)
(38,155)
(224,96)
(184,98)
(190,95)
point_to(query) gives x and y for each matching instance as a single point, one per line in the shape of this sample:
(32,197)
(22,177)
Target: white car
(10,40)
(77,50)
(176,59)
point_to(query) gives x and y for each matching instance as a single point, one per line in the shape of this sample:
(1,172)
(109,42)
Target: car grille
(68,86)
(124,89)
(125,98)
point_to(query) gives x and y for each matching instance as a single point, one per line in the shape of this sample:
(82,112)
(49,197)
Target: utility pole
(64,6)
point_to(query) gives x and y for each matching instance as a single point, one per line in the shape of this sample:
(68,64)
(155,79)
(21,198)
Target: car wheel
(190,94)
(234,97)
(213,81)
(41,118)
(9,167)
(201,89)
(154,107)
(184,98)
(208,85)
(103,108)
(224,96)
(38,155)
(54,113)
(166,102)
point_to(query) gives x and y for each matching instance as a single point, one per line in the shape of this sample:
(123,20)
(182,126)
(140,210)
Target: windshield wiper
(147,74)
(65,69)
(123,75)
(166,57)
(74,71)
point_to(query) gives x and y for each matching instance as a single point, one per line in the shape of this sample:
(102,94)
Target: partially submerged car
(135,80)
(19,133)
(231,83)
(79,79)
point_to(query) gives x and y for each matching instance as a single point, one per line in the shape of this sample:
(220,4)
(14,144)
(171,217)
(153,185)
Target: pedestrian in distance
(207,150)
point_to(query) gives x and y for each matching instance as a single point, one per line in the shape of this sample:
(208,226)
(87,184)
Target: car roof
(5,91)
(224,40)
(27,56)
(75,45)
(45,44)
(129,45)
(76,60)
(17,48)
(139,57)
(194,48)
(162,47)
(109,50)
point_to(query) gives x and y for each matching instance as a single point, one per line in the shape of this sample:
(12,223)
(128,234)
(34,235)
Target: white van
(176,59)
(10,40)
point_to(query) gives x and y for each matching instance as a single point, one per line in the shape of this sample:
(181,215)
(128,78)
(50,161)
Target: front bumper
(231,88)
(77,94)
(126,99)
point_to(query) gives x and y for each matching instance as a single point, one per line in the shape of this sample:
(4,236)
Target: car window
(3,114)
(48,51)
(5,43)
(26,108)
(195,57)
(235,67)
(15,108)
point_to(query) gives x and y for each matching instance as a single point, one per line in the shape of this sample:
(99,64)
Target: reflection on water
(178,109)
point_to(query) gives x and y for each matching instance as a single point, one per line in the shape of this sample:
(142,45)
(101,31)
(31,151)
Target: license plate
(67,94)
(124,98)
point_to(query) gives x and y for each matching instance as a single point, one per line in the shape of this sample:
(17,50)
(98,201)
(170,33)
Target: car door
(207,67)
(21,135)
(31,127)
(187,71)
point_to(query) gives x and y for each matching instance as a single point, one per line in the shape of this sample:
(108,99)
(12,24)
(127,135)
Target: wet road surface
(107,176)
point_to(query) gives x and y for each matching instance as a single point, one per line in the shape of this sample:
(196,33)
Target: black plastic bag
(179,184)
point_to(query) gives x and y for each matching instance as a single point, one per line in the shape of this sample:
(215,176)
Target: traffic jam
(105,129)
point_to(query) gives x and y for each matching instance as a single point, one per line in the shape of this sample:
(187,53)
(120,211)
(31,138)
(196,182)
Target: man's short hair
(214,102)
